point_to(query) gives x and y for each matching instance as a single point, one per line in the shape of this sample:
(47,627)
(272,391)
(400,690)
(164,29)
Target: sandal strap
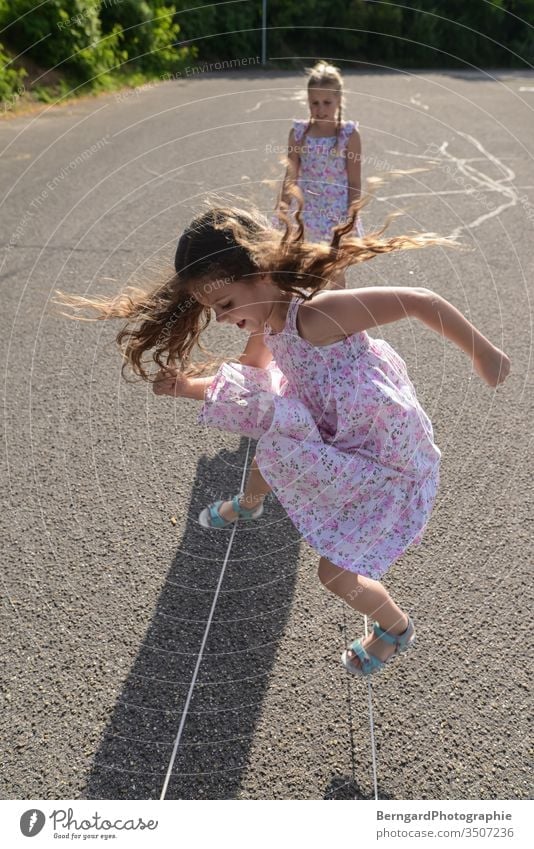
(216,520)
(369,663)
(242,512)
(399,640)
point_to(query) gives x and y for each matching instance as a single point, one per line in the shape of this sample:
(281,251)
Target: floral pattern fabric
(342,441)
(323,180)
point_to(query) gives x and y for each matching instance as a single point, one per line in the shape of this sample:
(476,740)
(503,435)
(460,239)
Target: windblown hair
(323,75)
(223,245)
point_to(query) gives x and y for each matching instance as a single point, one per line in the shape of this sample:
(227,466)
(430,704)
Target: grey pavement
(107,579)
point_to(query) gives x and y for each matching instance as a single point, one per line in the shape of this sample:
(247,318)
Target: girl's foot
(227,512)
(221,514)
(382,647)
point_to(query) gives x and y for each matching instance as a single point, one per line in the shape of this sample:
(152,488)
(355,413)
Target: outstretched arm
(490,362)
(344,313)
(174,383)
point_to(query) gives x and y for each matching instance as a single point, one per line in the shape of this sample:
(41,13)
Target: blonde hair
(228,243)
(324,75)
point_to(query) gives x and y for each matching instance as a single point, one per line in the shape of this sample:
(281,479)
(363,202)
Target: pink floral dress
(342,441)
(323,180)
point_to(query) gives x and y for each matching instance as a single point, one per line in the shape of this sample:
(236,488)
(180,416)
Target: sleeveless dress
(323,180)
(342,441)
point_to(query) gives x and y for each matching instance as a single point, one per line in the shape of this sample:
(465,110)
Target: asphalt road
(105,599)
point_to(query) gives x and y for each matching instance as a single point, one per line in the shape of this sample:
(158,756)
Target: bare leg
(369,598)
(255,491)
(258,355)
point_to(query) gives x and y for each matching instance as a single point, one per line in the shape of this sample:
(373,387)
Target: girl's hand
(171,382)
(492,365)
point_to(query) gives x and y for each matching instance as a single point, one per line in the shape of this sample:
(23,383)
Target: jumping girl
(342,439)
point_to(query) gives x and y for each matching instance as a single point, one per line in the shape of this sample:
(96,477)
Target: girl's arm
(172,382)
(291,175)
(335,315)
(177,385)
(354,166)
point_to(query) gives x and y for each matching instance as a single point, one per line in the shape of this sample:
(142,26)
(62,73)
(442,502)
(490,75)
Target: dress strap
(299,126)
(345,133)
(291,318)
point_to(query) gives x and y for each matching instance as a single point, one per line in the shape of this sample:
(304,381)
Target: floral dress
(342,441)
(323,180)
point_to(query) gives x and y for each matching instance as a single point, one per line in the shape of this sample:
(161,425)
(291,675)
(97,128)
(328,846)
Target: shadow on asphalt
(344,787)
(249,618)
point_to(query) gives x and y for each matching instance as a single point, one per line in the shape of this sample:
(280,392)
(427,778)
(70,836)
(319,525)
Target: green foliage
(62,34)
(11,82)
(225,31)
(148,33)
(87,40)
(416,33)
(100,43)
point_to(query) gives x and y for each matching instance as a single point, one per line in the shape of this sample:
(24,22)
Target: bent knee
(327,573)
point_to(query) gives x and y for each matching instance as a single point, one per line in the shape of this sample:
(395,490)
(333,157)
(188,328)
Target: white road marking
(483,182)
(299,97)
(204,641)
(415,99)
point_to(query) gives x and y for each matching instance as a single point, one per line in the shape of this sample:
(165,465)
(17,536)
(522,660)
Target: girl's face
(323,103)
(247,303)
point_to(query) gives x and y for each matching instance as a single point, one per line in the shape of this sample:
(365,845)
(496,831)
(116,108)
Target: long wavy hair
(223,244)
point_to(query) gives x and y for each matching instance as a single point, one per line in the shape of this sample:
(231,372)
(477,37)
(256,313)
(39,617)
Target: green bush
(62,34)
(415,33)
(148,34)
(11,82)
(225,31)
(86,40)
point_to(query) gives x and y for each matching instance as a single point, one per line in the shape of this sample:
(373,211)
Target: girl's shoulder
(299,128)
(321,319)
(347,129)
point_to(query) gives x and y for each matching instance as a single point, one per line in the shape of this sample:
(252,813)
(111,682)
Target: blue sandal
(211,518)
(369,664)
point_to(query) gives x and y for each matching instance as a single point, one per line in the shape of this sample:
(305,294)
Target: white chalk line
(371,722)
(484,183)
(298,97)
(416,101)
(203,643)
(201,653)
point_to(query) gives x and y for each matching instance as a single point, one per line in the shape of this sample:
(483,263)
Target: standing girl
(323,161)
(324,168)
(342,439)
